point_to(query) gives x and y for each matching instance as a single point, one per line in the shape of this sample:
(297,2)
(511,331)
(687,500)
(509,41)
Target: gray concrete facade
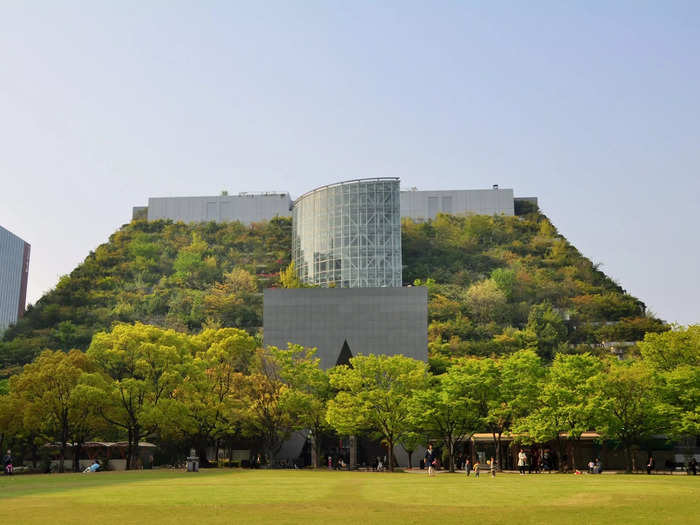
(14,271)
(421,205)
(371,320)
(244,207)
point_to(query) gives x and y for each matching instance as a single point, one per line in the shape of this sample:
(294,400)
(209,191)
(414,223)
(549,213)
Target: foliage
(563,409)
(485,275)
(374,396)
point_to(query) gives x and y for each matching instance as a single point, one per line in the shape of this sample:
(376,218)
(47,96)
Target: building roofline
(341,183)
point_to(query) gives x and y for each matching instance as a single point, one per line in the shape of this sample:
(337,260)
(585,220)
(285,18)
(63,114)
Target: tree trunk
(61,456)
(410,455)
(451,452)
(497,446)
(314,450)
(76,456)
(560,451)
(390,455)
(628,459)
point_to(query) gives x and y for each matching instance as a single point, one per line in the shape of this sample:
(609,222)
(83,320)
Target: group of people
(432,463)
(595,467)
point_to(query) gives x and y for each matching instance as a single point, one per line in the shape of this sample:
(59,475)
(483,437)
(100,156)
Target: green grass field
(244,496)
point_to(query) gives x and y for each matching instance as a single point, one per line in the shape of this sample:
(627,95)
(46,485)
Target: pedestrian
(7,463)
(522,462)
(467,466)
(598,466)
(492,464)
(547,461)
(651,464)
(430,459)
(477,468)
(693,466)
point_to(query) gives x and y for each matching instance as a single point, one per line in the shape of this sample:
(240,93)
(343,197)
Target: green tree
(142,366)
(626,405)
(564,410)
(675,355)
(300,369)
(374,396)
(444,410)
(275,407)
(549,328)
(48,388)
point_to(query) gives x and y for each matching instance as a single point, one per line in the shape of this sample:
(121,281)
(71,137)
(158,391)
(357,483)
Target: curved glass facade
(349,234)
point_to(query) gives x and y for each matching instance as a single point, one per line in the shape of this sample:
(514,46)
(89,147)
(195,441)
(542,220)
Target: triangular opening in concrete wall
(345,355)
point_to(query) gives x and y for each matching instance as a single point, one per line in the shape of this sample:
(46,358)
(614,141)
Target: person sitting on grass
(92,468)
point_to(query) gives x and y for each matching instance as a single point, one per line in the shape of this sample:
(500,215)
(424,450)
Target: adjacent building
(14,271)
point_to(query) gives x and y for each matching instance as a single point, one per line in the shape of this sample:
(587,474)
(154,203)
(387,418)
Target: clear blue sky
(591,106)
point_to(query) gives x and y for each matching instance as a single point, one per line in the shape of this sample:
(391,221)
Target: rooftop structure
(244,207)
(419,205)
(14,271)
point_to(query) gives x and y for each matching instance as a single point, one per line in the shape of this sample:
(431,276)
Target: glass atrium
(349,234)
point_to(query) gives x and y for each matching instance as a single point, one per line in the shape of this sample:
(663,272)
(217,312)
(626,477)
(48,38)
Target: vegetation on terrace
(496,285)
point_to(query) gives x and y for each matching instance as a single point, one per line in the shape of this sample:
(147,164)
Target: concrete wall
(371,320)
(423,205)
(222,208)
(14,270)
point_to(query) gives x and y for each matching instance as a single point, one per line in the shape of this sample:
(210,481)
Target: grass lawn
(288,496)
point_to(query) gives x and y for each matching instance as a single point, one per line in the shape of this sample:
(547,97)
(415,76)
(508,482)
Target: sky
(591,106)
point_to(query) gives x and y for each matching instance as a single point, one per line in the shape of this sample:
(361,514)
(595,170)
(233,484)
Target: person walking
(651,464)
(693,466)
(7,463)
(467,467)
(430,459)
(522,462)
(492,464)
(477,468)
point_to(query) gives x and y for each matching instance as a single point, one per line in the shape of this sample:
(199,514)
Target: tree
(563,405)
(675,355)
(52,404)
(274,408)
(667,350)
(486,301)
(514,395)
(374,396)
(142,365)
(626,405)
(236,301)
(300,369)
(208,406)
(549,327)
(290,279)
(443,410)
